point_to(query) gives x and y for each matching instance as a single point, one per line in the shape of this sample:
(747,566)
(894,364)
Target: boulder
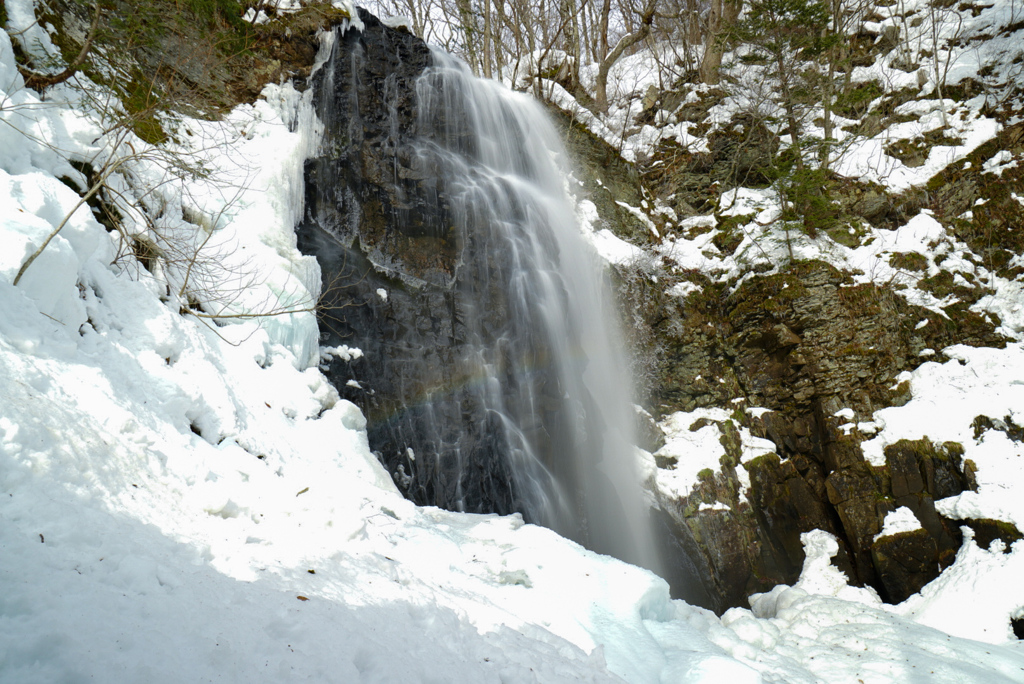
(905,562)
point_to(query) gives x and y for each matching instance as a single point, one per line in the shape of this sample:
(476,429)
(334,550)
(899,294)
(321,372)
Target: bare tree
(721,18)
(639,33)
(845,14)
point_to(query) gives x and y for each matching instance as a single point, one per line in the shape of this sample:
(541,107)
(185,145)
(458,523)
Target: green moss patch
(908,261)
(848,234)
(730,233)
(774,294)
(855,101)
(943,284)
(914,152)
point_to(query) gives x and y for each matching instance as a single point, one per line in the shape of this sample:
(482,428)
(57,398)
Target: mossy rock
(769,295)
(966,327)
(891,101)
(987,530)
(915,151)
(732,442)
(848,234)
(1006,425)
(992,231)
(905,563)
(943,285)
(730,233)
(855,101)
(192,57)
(744,152)
(869,202)
(908,261)
(918,466)
(760,465)
(851,483)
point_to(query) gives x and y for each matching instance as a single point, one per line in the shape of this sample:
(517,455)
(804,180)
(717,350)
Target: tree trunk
(723,15)
(602,31)
(469,32)
(693,33)
(487,47)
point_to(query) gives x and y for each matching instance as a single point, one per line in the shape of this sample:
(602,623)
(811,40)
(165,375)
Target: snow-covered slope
(183,500)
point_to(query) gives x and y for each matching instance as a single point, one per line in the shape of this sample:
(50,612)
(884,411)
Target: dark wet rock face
(387,258)
(382,232)
(605,178)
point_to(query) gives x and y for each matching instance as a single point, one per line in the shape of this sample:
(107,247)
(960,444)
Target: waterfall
(493,378)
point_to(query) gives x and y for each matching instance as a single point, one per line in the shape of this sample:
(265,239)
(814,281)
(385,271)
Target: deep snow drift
(185,501)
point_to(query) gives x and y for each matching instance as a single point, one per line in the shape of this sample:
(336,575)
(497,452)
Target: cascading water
(550,378)
(492,378)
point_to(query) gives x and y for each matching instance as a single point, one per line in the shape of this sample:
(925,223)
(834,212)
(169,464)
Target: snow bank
(822,630)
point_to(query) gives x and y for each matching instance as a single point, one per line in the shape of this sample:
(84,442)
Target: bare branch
(43,81)
(96,187)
